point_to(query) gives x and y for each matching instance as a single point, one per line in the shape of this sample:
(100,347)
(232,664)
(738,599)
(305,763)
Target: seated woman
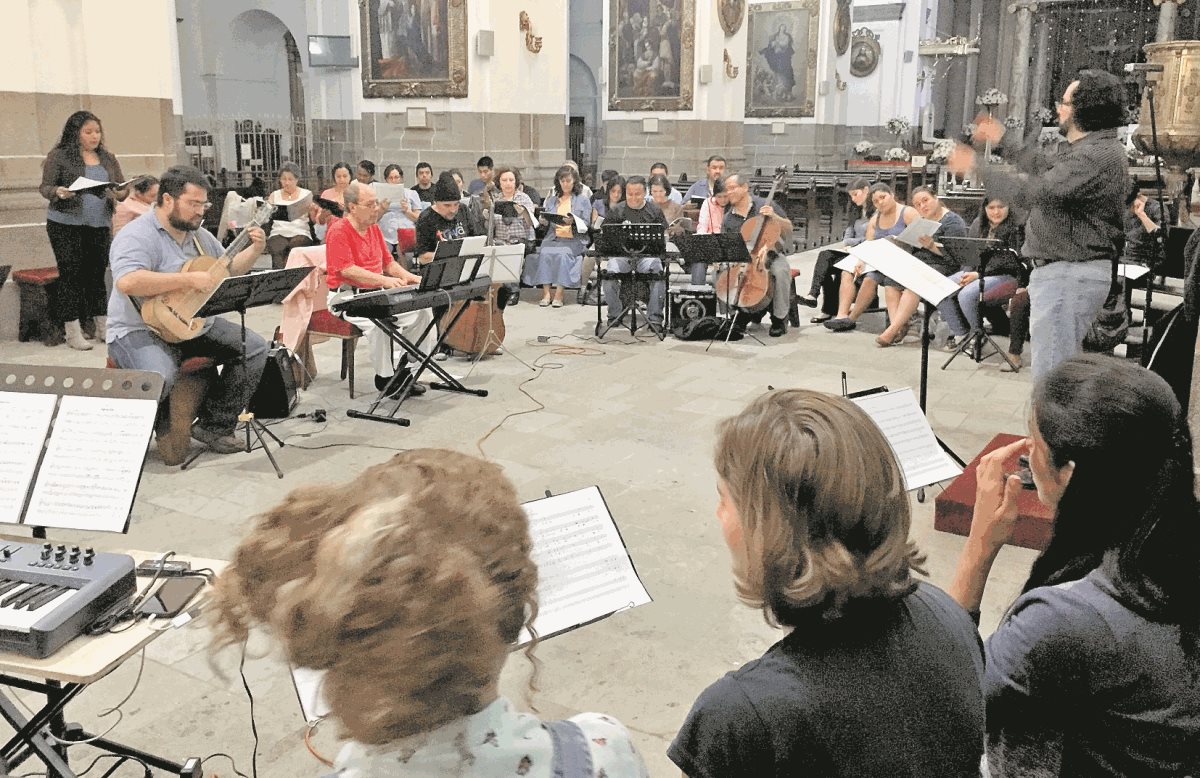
(879,674)
(1004,270)
(288,234)
(1095,669)
(890,219)
(398,221)
(827,277)
(614,192)
(710,220)
(508,230)
(337,193)
(557,262)
(407,588)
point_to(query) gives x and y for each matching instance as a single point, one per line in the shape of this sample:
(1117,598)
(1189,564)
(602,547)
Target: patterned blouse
(496,742)
(513,229)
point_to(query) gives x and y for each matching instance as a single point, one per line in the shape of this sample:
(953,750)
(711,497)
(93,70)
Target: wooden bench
(174,427)
(36,287)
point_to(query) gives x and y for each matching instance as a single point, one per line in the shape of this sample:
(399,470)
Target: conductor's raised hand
(961,160)
(996,496)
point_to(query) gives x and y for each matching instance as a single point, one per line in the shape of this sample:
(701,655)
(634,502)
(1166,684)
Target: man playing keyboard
(358,260)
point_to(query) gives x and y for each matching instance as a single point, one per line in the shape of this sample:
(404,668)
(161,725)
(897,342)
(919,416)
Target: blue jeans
(227,397)
(612,287)
(1064,299)
(961,311)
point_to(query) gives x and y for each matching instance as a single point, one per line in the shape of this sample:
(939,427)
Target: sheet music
(503,263)
(920,228)
(908,271)
(92,464)
(308,689)
(584,571)
(24,422)
(922,459)
(393,193)
(848,263)
(1132,272)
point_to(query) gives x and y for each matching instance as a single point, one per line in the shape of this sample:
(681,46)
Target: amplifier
(689,304)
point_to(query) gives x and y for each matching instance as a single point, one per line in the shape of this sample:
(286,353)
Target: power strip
(172,568)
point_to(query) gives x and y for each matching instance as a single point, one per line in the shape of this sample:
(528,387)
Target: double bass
(480,330)
(747,285)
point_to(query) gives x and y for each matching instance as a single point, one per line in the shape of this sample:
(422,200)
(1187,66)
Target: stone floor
(634,416)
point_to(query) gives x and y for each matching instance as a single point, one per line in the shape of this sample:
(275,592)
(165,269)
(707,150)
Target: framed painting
(781,58)
(650,54)
(414,48)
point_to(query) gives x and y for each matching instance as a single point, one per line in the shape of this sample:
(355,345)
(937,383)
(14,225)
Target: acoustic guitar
(172,316)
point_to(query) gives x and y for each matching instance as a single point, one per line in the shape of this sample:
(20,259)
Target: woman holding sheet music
(560,257)
(408,587)
(79,223)
(294,232)
(879,674)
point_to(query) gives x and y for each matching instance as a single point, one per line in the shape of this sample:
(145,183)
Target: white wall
(891,90)
(514,80)
(83,47)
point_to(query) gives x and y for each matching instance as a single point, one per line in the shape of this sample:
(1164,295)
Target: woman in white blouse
(294,233)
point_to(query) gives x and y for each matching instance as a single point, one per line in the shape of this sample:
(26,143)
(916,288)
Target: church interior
(587,192)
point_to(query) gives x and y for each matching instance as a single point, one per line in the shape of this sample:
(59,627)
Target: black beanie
(446,189)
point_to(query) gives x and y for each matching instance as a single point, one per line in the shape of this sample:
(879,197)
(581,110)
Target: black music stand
(633,242)
(724,249)
(234,295)
(975,253)
(477,287)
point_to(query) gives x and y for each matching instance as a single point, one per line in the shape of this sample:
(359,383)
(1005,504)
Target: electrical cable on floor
(232,763)
(309,731)
(253,724)
(114,709)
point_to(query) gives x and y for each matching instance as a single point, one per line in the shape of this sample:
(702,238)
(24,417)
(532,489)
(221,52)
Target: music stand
(234,295)
(975,253)
(634,242)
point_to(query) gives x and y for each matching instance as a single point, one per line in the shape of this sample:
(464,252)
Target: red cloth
(406,239)
(344,247)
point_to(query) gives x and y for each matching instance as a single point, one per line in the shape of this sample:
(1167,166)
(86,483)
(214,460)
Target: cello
(480,330)
(747,285)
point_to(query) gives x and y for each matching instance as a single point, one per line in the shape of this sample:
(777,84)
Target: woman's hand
(967,278)
(62,193)
(996,495)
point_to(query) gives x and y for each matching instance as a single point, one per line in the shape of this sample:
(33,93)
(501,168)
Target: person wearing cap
(444,220)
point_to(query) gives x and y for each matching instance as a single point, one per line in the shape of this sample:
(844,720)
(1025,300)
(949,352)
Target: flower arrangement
(896,153)
(941,151)
(1133,115)
(995,159)
(898,126)
(991,98)
(1043,115)
(863,147)
(1014,122)
(969,129)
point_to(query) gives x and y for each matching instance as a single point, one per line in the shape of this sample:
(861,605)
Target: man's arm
(244,259)
(362,277)
(150,283)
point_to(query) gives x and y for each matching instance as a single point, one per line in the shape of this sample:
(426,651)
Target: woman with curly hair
(407,587)
(879,675)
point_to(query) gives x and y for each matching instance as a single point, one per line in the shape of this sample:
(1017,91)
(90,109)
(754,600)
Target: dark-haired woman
(337,193)
(1095,669)
(288,234)
(79,224)
(879,674)
(557,264)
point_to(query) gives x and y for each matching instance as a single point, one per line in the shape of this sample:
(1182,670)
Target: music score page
(24,422)
(922,459)
(584,570)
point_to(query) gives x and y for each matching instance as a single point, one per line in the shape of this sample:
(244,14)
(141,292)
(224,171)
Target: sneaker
(841,325)
(778,327)
(218,442)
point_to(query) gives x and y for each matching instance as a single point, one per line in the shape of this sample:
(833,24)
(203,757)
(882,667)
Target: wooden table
(63,675)
(953,508)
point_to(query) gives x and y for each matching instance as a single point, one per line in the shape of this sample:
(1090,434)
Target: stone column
(1168,11)
(971,82)
(1018,100)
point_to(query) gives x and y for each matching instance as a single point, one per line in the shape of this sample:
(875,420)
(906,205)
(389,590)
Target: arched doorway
(583,129)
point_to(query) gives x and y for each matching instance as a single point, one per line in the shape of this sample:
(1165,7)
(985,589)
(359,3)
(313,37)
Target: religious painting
(650,50)
(730,12)
(864,53)
(781,58)
(414,48)
(841,27)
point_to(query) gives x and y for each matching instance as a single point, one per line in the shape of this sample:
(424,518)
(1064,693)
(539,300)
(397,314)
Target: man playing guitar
(146,257)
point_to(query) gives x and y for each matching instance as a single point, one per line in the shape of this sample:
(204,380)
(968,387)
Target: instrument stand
(926,338)
(236,294)
(973,341)
(723,250)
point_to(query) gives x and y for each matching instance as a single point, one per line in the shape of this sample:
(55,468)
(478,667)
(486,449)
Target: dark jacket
(1011,234)
(62,167)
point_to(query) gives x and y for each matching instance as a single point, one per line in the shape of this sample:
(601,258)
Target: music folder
(560,219)
(293,210)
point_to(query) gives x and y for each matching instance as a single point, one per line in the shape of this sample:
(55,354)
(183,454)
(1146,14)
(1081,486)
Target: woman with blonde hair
(879,675)
(407,587)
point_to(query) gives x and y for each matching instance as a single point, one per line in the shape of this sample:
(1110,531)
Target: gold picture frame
(781,58)
(407,54)
(650,61)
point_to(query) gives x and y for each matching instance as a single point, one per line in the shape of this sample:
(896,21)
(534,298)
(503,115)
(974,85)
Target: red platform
(953,507)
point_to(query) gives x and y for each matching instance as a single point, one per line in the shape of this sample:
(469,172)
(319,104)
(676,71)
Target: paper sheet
(92,465)
(922,460)
(848,264)
(83,183)
(918,229)
(908,271)
(584,571)
(503,263)
(24,422)
(395,194)
(1132,272)
(308,689)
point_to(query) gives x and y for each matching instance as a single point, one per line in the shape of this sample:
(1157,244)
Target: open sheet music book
(584,575)
(84,184)
(72,462)
(921,228)
(293,210)
(922,459)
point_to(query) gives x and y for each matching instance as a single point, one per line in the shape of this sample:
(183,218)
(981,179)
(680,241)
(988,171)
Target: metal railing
(240,153)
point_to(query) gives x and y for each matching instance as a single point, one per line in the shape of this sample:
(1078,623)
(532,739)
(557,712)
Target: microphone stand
(1160,249)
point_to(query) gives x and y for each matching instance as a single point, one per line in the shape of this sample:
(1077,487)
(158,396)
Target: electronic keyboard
(381,303)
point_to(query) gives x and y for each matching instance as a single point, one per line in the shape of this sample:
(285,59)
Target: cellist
(744,206)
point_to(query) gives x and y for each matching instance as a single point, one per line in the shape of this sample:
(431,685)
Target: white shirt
(496,741)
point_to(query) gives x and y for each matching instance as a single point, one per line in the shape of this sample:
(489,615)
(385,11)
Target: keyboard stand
(423,362)
(64,676)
